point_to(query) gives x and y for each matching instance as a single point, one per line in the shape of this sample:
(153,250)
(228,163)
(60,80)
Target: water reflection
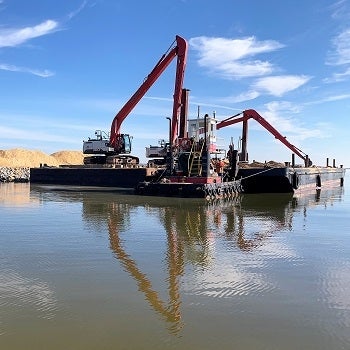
(170,311)
(192,228)
(15,194)
(17,290)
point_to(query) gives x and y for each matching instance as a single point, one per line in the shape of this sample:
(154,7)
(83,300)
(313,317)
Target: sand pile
(269,164)
(69,157)
(19,157)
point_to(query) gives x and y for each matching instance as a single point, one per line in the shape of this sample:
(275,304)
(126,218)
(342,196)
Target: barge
(195,167)
(190,163)
(265,179)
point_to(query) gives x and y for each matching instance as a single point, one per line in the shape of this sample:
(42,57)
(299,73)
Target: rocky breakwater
(17,174)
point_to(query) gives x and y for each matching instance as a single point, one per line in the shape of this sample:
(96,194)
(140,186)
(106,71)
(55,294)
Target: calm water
(98,270)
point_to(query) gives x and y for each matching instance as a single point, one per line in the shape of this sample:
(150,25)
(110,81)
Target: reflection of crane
(250,113)
(118,143)
(172,312)
(249,223)
(189,228)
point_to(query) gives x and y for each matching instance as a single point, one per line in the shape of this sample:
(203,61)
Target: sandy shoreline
(15,163)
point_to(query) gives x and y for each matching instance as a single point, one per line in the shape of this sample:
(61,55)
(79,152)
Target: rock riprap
(8,174)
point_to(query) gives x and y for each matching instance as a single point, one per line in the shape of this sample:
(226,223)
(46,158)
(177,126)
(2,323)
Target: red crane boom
(180,50)
(251,113)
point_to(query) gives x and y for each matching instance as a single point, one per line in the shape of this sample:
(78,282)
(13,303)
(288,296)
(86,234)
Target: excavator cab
(123,144)
(101,145)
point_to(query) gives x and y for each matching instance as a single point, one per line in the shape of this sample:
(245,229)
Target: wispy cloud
(337,98)
(242,97)
(40,73)
(282,107)
(17,36)
(232,58)
(337,77)
(340,10)
(10,37)
(76,12)
(329,99)
(280,115)
(340,55)
(279,85)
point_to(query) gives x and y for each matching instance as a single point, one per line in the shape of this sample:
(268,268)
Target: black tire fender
(295,181)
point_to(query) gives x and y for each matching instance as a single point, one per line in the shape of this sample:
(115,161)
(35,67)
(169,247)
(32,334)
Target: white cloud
(282,106)
(79,9)
(10,37)
(340,10)
(244,96)
(235,58)
(231,58)
(329,99)
(41,73)
(340,56)
(337,77)
(279,85)
(337,98)
(279,114)
(341,53)
(244,69)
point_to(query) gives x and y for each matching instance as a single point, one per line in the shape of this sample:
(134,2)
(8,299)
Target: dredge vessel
(189,164)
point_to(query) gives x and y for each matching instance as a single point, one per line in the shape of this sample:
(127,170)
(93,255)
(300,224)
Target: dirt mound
(19,157)
(69,157)
(269,164)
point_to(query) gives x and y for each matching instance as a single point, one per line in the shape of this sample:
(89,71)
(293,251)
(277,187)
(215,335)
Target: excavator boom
(180,50)
(251,113)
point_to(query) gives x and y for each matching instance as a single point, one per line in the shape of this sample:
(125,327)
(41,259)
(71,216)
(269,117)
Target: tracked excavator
(115,147)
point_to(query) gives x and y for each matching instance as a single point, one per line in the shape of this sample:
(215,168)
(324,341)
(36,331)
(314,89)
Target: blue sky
(67,67)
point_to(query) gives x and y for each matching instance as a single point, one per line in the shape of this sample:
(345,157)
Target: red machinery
(250,113)
(117,144)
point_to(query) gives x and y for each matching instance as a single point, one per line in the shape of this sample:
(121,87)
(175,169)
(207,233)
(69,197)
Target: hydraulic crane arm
(251,113)
(180,50)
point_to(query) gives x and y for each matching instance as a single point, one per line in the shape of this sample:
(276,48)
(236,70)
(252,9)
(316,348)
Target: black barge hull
(91,176)
(144,180)
(287,179)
